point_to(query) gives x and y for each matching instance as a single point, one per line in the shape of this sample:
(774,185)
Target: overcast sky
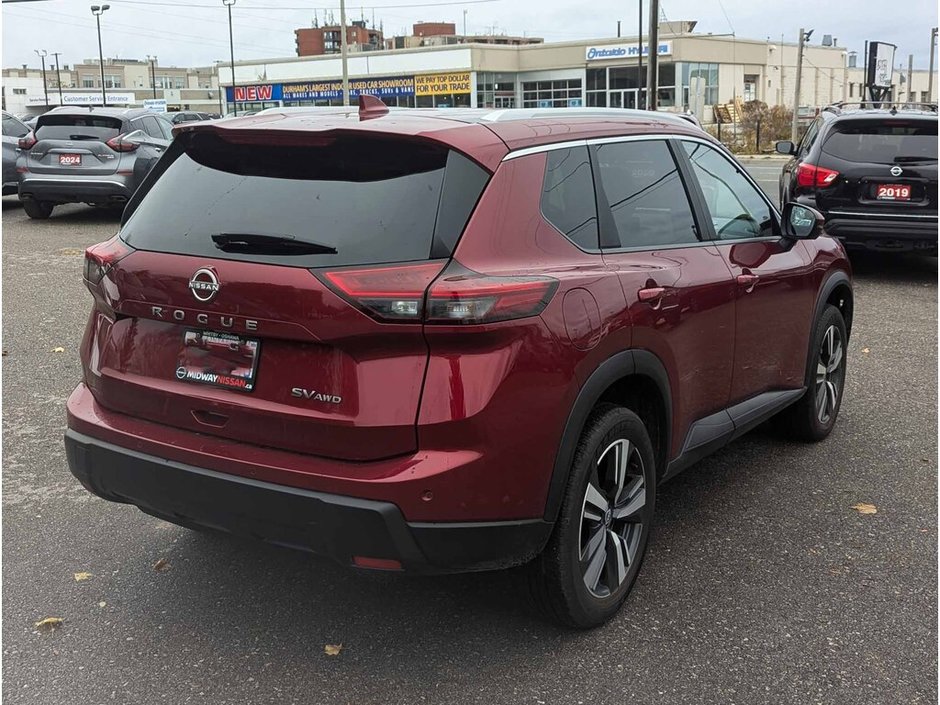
(196,33)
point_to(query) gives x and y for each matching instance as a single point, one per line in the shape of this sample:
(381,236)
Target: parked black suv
(872,172)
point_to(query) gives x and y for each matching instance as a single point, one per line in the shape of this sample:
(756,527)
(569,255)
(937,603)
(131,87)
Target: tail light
(100,258)
(809,175)
(401,293)
(119,144)
(26,142)
(462,296)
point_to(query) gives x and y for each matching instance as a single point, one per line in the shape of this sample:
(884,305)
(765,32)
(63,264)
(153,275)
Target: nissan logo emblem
(204,284)
(896,171)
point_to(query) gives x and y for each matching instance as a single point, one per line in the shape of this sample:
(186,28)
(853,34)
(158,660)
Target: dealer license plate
(219,360)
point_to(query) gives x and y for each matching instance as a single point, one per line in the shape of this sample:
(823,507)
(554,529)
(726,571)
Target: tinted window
(647,199)
(77,127)
(372,200)
(883,142)
(166,128)
(736,208)
(151,127)
(13,127)
(568,196)
(810,137)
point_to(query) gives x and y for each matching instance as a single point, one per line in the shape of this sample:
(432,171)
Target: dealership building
(696,72)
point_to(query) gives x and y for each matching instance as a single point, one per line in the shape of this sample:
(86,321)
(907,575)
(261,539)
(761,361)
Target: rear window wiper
(84,137)
(256,244)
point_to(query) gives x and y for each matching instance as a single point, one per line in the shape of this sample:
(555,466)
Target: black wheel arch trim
(835,279)
(620,365)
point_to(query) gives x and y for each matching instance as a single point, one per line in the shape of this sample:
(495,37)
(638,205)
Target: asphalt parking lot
(762,584)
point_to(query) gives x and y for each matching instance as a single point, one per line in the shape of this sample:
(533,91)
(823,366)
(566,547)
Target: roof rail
(509,114)
(838,107)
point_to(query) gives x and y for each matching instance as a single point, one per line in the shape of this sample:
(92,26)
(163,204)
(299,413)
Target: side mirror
(785,147)
(802,222)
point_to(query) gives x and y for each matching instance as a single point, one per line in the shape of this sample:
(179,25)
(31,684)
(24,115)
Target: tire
(813,417)
(562,585)
(38,210)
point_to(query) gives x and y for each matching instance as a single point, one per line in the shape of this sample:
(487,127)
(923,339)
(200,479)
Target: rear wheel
(38,210)
(594,555)
(814,415)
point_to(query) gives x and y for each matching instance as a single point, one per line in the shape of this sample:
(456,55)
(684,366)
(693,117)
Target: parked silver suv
(13,129)
(88,155)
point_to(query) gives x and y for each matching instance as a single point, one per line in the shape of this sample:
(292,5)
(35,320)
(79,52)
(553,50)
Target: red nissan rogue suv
(457,340)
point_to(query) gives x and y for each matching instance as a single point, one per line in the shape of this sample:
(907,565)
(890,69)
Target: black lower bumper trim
(885,233)
(331,525)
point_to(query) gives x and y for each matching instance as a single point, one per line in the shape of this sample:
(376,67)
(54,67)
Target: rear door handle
(748,281)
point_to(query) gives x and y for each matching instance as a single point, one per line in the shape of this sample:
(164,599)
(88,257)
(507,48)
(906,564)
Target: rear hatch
(75,143)
(885,165)
(251,306)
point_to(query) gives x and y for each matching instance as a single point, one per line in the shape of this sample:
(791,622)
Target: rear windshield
(346,201)
(77,127)
(884,142)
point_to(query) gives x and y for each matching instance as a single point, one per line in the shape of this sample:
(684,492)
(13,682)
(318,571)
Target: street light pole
(153,75)
(639,58)
(652,62)
(58,78)
(42,53)
(231,48)
(933,41)
(343,50)
(98,12)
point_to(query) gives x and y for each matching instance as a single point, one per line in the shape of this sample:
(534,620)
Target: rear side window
(13,127)
(883,142)
(568,196)
(77,127)
(347,201)
(647,199)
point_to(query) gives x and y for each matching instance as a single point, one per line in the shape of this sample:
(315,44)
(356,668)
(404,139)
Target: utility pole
(465,23)
(98,12)
(933,41)
(58,78)
(231,49)
(42,53)
(153,75)
(795,127)
(639,57)
(652,78)
(344,49)
(618,29)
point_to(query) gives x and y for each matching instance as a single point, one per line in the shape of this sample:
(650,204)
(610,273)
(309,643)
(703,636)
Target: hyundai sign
(623,51)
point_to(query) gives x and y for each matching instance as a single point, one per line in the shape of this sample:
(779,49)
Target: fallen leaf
(102,604)
(865,508)
(58,350)
(79,577)
(73,251)
(332,649)
(49,623)
(866,350)
(6,352)
(162,565)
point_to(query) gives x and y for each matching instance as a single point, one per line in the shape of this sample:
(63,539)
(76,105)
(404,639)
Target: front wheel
(38,210)
(594,555)
(813,417)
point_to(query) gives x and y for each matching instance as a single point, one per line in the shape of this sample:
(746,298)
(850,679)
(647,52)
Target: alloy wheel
(612,518)
(829,374)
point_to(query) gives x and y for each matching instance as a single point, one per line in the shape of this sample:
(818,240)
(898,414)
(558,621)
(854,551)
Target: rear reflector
(401,293)
(376,563)
(808,175)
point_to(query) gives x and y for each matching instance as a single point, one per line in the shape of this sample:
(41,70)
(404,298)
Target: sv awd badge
(314,395)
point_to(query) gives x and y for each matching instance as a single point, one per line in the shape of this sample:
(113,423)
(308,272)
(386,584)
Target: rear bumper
(879,233)
(330,524)
(77,189)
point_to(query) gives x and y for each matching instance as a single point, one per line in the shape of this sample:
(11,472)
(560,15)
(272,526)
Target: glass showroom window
(708,73)
(496,90)
(597,88)
(552,94)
